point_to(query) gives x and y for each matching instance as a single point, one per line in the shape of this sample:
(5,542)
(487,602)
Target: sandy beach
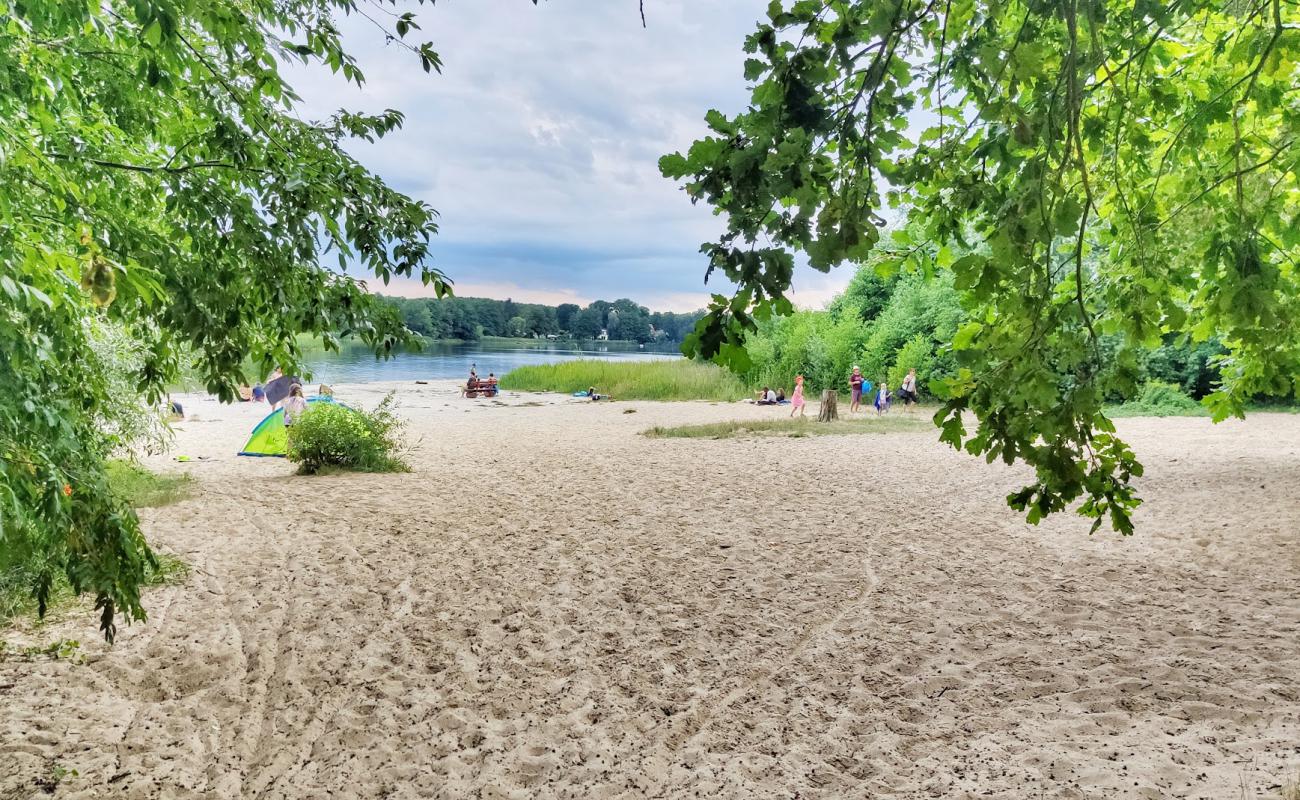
(554,606)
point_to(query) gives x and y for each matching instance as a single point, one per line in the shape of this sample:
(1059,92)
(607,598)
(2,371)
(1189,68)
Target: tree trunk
(828,411)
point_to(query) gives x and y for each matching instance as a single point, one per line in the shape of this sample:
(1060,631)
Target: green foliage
(917,354)
(787,427)
(1092,169)
(866,295)
(123,415)
(676,379)
(58,650)
(23,570)
(157,176)
(334,436)
(470,318)
(920,317)
(1192,366)
(895,325)
(1159,399)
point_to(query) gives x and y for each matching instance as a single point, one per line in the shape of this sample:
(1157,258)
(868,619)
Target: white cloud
(539,142)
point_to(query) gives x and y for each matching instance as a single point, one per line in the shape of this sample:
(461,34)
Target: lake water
(355,363)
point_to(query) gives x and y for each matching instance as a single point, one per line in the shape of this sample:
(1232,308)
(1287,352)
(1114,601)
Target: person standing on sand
(796,399)
(294,405)
(908,390)
(855,389)
(882,399)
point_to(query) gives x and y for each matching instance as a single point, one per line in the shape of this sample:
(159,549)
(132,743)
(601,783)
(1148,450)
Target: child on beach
(796,399)
(294,405)
(882,398)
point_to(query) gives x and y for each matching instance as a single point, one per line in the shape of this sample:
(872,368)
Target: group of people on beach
(476,386)
(858,385)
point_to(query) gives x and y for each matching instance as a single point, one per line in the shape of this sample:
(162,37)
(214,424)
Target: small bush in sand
(331,436)
(667,379)
(788,427)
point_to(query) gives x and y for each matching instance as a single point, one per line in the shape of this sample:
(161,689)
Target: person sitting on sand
(780,395)
(295,405)
(591,393)
(796,399)
(767,397)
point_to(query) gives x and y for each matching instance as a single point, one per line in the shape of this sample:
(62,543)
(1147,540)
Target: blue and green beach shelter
(268,437)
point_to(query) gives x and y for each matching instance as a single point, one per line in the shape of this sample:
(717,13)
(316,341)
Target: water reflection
(451,360)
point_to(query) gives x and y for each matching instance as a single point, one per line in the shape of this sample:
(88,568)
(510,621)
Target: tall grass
(790,427)
(144,489)
(677,379)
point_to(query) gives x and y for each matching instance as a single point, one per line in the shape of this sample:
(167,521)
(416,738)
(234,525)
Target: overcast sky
(539,142)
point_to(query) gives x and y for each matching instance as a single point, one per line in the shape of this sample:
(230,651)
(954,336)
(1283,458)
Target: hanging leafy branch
(154,174)
(1104,168)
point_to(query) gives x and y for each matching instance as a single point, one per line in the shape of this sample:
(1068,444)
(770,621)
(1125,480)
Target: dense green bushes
(1191,367)
(335,436)
(884,325)
(1159,399)
(888,325)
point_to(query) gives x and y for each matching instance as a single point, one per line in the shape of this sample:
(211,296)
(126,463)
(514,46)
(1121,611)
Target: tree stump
(828,411)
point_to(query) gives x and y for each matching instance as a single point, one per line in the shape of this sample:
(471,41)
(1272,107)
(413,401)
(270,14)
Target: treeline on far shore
(472,318)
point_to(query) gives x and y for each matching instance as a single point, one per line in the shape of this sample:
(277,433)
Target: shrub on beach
(1160,399)
(334,436)
(667,379)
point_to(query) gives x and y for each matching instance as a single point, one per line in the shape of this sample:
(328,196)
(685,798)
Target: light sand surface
(552,605)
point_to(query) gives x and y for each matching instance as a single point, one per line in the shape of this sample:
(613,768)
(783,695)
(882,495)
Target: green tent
(268,437)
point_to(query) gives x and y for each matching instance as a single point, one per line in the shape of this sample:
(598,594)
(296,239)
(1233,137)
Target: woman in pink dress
(796,399)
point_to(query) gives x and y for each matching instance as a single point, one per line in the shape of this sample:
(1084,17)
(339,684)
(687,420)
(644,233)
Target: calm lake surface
(441,360)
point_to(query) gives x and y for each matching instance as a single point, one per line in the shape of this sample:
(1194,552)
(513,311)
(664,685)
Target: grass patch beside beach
(676,379)
(791,427)
(134,484)
(144,489)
